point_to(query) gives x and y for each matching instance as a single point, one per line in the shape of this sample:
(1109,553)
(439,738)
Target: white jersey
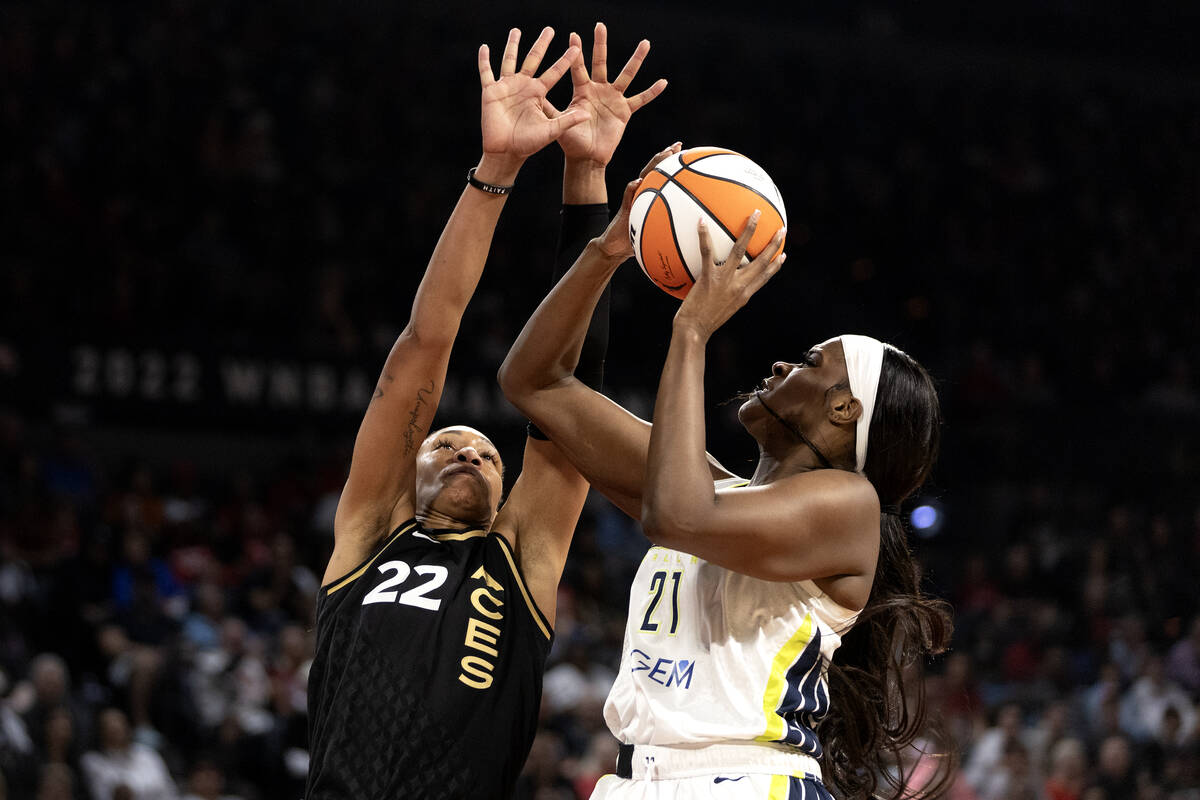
(711,655)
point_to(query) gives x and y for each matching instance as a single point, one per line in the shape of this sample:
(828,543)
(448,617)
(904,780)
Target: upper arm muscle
(540,515)
(384,462)
(814,525)
(604,441)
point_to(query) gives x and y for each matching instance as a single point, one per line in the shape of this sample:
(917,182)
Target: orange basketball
(718,185)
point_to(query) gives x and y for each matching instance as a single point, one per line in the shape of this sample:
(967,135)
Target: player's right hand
(514,123)
(722,287)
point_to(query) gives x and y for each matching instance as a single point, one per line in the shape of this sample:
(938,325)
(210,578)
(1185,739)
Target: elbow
(665,527)
(517,387)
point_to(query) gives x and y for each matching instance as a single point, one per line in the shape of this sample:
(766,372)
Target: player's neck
(772,467)
(432,519)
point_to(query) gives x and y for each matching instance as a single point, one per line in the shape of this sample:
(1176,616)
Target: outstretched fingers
(508,63)
(643,97)
(630,70)
(566,121)
(600,53)
(486,76)
(559,68)
(579,75)
(533,58)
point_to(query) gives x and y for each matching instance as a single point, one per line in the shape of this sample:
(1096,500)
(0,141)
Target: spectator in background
(988,752)
(1067,776)
(120,762)
(1146,701)
(1013,778)
(1114,766)
(1183,660)
(207,782)
(56,782)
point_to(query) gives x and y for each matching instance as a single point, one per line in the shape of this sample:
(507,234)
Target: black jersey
(428,672)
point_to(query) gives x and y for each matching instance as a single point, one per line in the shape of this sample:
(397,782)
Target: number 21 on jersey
(654,621)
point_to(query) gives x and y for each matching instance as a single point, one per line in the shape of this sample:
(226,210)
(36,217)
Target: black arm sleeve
(579,225)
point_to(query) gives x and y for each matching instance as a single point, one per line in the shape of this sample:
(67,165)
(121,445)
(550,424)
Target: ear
(843,407)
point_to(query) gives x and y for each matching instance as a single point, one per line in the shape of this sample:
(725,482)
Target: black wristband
(490,188)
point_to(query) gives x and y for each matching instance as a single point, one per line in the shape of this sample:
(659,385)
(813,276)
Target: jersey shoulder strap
(730,483)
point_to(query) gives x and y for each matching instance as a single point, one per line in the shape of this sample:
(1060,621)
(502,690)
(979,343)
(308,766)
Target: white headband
(864,362)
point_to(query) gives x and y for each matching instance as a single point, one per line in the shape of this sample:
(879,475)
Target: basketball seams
(700,204)
(675,239)
(746,186)
(713,193)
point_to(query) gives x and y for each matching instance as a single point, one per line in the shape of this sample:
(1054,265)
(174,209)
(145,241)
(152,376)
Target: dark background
(213,217)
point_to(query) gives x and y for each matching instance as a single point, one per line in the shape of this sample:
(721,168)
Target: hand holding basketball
(615,241)
(514,123)
(722,288)
(607,108)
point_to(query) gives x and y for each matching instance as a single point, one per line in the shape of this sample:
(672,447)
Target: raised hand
(514,122)
(722,288)
(607,108)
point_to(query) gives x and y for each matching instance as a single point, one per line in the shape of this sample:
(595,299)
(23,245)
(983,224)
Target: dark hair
(878,714)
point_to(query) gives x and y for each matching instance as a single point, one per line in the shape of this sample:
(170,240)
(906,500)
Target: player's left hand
(607,108)
(722,288)
(615,241)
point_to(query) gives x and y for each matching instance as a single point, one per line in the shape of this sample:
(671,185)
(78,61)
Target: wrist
(599,249)
(499,169)
(584,182)
(689,330)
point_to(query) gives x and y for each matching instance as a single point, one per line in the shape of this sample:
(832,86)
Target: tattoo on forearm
(379,386)
(414,429)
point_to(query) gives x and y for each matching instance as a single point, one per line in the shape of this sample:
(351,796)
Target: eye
(489,456)
(443,443)
(807,359)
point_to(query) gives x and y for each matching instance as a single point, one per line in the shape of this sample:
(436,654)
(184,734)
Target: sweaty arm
(379,491)
(605,442)
(810,525)
(805,525)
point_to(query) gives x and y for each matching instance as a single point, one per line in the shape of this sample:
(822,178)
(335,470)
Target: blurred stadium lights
(927,517)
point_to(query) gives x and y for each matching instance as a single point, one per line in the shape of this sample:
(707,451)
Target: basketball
(719,185)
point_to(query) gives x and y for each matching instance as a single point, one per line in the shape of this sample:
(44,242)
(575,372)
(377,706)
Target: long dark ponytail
(876,716)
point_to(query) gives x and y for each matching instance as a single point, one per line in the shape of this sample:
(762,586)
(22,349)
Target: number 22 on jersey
(417,596)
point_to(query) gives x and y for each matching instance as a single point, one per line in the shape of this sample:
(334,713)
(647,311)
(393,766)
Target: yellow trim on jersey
(353,576)
(459,537)
(777,683)
(533,609)
(781,786)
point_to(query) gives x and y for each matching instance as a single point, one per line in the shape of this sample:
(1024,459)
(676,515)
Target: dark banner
(105,384)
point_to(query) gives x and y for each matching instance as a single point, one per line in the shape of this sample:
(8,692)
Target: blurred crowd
(254,179)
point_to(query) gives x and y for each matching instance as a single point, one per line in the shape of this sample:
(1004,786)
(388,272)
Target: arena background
(212,219)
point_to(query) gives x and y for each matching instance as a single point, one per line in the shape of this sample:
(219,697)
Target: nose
(469,454)
(780,368)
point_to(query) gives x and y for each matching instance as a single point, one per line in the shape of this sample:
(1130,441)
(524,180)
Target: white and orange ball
(720,186)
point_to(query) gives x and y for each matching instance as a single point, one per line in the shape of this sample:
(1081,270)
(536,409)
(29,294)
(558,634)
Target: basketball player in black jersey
(436,611)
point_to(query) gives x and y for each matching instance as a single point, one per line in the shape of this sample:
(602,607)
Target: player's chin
(748,405)
(467,500)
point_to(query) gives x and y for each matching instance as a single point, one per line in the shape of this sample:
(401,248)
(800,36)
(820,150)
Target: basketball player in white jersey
(729,686)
